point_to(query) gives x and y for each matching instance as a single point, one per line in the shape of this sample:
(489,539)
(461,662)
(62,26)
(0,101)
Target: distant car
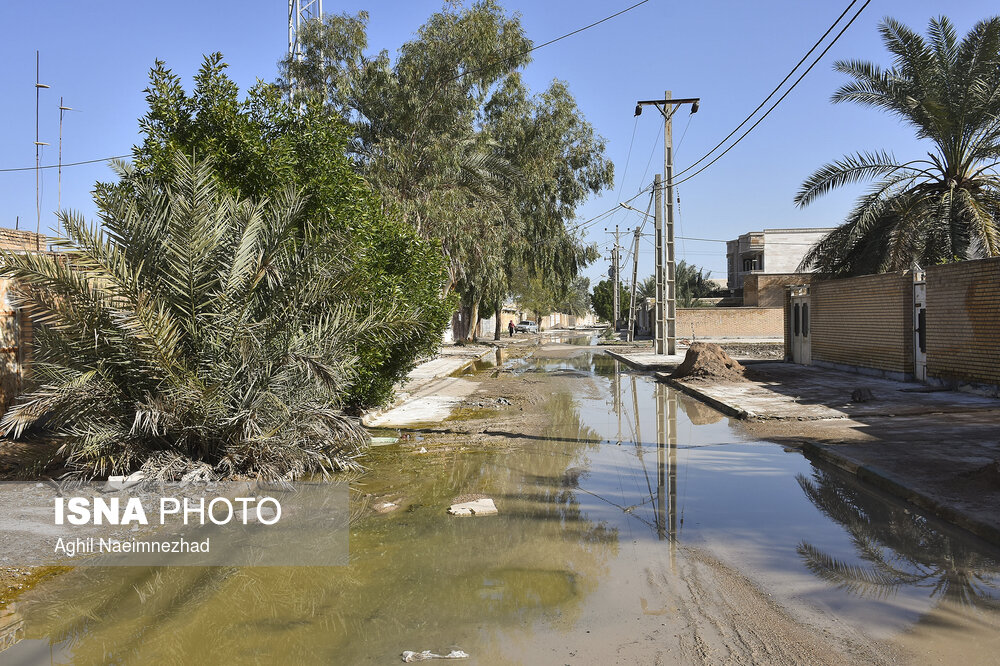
(527,327)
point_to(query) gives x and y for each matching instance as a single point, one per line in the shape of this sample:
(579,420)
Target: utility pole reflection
(666,459)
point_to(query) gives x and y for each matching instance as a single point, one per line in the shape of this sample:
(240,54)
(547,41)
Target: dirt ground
(696,609)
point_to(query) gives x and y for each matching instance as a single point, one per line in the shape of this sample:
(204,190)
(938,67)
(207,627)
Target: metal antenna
(62,112)
(300,11)
(38,171)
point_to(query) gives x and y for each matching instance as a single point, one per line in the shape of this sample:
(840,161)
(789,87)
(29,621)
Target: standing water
(635,525)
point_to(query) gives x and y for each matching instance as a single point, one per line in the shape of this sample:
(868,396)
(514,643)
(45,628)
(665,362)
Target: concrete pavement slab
(799,392)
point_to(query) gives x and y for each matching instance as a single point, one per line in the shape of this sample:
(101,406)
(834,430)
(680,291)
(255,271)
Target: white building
(769,251)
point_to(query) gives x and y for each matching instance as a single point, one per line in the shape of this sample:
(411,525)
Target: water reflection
(897,548)
(418,578)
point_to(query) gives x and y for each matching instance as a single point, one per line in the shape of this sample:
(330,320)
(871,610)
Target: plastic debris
(410,656)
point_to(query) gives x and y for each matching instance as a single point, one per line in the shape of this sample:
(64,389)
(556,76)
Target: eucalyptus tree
(452,139)
(928,210)
(415,117)
(195,329)
(561,161)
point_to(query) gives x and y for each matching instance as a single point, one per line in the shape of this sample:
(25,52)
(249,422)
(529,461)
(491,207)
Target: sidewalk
(421,397)
(937,449)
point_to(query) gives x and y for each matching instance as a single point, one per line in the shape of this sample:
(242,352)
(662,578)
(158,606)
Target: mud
(581,566)
(708,362)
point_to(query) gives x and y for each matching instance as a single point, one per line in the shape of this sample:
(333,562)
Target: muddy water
(636,525)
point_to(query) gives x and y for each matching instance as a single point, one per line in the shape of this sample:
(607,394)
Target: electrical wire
(551,41)
(66,164)
(778,87)
(780,99)
(460,75)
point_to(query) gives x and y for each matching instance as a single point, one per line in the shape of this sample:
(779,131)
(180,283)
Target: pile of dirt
(705,360)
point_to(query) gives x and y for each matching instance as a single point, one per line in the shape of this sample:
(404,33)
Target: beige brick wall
(704,323)
(13,239)
(767,290)
(864,321)
(963,322)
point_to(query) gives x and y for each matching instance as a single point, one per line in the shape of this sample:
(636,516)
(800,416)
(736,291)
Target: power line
(780,99)
(778,87)
(465,73)
(551,41)
(67,164)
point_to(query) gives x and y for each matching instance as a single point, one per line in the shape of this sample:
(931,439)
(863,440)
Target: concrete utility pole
(659,335)
(616,272)
(635,276)
(667,106)
(614,260)
(668,169)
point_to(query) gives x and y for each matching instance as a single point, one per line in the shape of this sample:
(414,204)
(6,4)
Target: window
(795,320)
(805,320)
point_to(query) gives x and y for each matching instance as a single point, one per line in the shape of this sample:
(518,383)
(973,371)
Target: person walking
(510,327)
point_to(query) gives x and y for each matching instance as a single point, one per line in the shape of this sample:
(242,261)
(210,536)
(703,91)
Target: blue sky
(97,55)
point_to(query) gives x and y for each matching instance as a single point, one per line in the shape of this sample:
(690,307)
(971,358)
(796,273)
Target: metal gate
(919,327)
(799,326)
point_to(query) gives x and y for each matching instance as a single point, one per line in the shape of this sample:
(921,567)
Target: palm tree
(193,330)
(925,211)
(897,548)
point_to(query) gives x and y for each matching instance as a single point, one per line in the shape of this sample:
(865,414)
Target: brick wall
(963,322)
(704,323)
(13,239)
(767,290)
(864,322)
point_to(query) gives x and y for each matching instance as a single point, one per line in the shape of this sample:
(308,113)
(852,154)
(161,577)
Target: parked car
(527,327)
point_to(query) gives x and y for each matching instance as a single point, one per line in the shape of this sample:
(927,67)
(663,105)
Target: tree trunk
(496,314)
(474,321)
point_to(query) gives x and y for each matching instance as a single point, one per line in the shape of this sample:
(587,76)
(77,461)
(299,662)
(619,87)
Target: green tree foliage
(576,300)
(692,283)
(646,288)
(602,300)
(930,210)
(260,147)
(194,328)
(448,133)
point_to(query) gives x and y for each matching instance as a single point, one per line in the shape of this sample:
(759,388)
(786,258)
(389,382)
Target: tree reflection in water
(898,548)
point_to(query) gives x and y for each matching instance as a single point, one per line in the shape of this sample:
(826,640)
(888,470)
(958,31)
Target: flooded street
(636,525)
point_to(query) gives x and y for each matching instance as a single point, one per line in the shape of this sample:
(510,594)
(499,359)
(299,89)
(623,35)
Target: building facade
(769,251)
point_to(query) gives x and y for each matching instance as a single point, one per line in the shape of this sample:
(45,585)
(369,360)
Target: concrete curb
(618,356)
(896,487)
(724,407)
(401,397)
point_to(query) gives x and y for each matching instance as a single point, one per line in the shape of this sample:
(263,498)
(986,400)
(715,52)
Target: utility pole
(667,107)
(615,270)
(635,276)
(659,337)
(668,169)
(614,325)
